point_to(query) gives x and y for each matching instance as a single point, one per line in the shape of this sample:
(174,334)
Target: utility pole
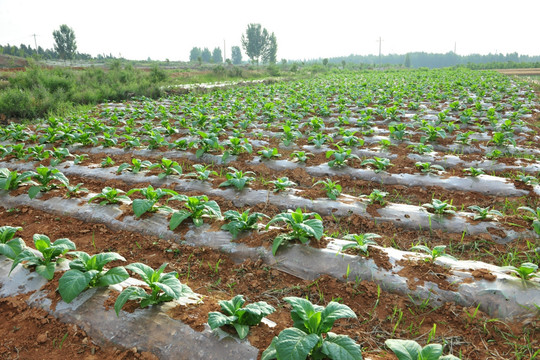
(455,44)
(380,53)
(224,52)
(35,42)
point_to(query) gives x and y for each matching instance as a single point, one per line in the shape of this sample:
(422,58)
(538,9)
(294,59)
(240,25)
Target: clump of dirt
(418,272)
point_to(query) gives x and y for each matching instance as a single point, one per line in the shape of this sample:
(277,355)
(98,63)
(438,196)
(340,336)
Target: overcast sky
(162,29)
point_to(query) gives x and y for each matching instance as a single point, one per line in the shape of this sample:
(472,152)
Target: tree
(407,61)
(216,56)
(325,61)
(194,54)
(255,42)
(206,55)
(65,44)
(270,51)
(236,55)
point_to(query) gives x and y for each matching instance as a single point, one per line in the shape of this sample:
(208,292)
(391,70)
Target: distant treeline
(431,60)
(44,54)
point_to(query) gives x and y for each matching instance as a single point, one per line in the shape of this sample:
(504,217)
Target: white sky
(163,29)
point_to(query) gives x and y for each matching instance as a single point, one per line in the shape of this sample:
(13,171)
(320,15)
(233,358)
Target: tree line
(433,60)
(258,43)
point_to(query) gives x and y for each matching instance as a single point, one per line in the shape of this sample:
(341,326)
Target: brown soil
(258,282)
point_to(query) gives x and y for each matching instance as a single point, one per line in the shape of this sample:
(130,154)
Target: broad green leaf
(140,206)
(73,282)
(171,286)
(33,191)
(46,270)
(129,293)
(64,244)
(431,352)
(25,255)
(7,233)
(404,349)
(177,218)
(80,255)
(217,319)
(104,258)
(242,330)
(12,248)
(341,347)
(41,242)
(143,270)
(113,276)
(278,241)
(334,311)
(294,344)
(302,307)
(270,352)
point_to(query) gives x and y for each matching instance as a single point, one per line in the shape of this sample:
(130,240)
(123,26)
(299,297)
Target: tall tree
(194,54)
(236,55)
(216,56)
(65,44)
(206,55)
(269,54)
(407,62)
(255,41)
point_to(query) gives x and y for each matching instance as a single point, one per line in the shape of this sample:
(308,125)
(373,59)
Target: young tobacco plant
(151,198)
(421,148)
(269,153)
(201,172)
(440,207)
(474,172)
(428,168)
(379,164)
(302,227)
(169,167)
(376,196)
(534,217)
(163,287)
(237,178)
(311,334)
(44,176)
(360,241)
(11,180)
(411,350)
(10,247)
(484,213)
(110,196)
(87,271)
(51,255)
(74,190)
(525,271)
(135,166)
(241,222)
(434,253)
(333,189)
(107,162)
(341,156)
(241,318)
(282,184)
(300,156)
(196,207)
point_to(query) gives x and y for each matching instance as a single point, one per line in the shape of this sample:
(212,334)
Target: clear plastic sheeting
(401,215)
(506,297)
(149,329)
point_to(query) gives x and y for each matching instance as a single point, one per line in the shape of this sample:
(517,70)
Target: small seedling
(484,213)
(333,189)
(411,350)
(361,241)
(437,251)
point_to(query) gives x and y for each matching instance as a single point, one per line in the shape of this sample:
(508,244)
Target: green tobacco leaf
(270,353)
(73,282)
(46,270)
(241,330)
(113,276)
(143,270)
(341,347)
(7,233)
(25,255)
(12,248)
(294,344)
(177,218)
(140,206)
(431,352)
(104,258)
(404,349)
(33,191)
(278,241)
(217,319)
(334,311)
(130,293)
